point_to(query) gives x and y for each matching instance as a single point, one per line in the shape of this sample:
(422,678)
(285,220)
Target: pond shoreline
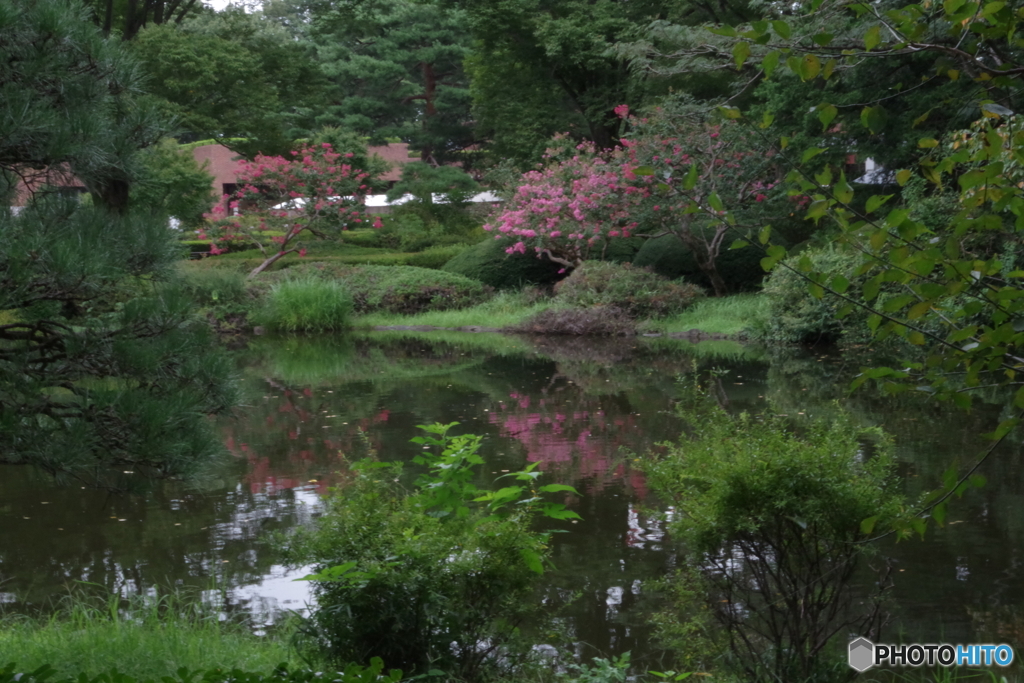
(693,335)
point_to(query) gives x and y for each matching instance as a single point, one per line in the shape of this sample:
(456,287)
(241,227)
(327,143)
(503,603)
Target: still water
(581,410)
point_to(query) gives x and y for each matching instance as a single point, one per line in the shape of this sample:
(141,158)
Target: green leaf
(810,153)
(810,67)
(872,37)
(939,513)
(875,201)
(765,234)
(826,113)
(690,181)
(555,488)
(727,31)
(715,202)
(739,244)
(873,118)
(770,62)
(643,170)
(731,112)
(868,525)
(532,560)
(903,176)
(782,28)
(740,52)
(840,284)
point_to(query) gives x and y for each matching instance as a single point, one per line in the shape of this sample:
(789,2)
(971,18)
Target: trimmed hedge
(667,255)
(488,263)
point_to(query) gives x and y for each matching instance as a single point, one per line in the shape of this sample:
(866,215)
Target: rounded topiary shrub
(667,255)
(488,263)
(639,292)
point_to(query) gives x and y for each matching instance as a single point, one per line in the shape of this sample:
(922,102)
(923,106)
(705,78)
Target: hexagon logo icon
(862,654)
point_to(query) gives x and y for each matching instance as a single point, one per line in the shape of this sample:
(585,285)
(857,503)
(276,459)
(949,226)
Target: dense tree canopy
(105,376)
(396,67)
(234,75)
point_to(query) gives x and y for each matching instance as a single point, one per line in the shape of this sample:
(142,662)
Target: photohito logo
(863,654)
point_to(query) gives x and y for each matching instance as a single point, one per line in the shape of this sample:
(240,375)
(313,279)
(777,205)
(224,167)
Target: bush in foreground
(639,292)
(306,305)
(407,289)
(436,580)
(668,256)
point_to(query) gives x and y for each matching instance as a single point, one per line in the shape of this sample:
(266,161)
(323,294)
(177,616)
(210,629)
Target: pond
(582,410)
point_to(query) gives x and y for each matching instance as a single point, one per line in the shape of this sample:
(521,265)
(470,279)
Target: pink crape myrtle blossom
(691,180)
(324,196)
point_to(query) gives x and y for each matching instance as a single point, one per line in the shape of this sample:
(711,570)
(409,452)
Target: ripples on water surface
(579,409)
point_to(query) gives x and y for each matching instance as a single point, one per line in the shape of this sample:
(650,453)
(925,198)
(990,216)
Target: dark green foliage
(488,263)
(106,377)
(776,520)
(352,673)
(668,256)
(231,76)
(397,71)
(214,287)
(306,305)
(171,183)
(638,292)
(402,289)
(436,257)
(794,315)
(600,321)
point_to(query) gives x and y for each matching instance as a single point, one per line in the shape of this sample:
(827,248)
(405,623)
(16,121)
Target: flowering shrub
(313,193)
(666,178)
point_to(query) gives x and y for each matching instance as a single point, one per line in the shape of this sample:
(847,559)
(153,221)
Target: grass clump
(306,304)
(145,638)
(736,315)
(638,292)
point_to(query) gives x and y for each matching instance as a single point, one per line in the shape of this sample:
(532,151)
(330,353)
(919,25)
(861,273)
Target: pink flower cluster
(326,194)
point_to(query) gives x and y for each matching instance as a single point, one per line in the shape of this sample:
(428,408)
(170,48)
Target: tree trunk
(269,262)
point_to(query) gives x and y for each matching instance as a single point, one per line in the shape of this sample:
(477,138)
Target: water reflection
(582,411)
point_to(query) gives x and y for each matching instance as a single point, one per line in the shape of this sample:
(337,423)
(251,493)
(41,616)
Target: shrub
(668,256)
(306,305)
(436,257)
(639,292)
(402,289)
(214,287)
(794,315)
(601,321)
(488,263)
(433,580)
(775,522)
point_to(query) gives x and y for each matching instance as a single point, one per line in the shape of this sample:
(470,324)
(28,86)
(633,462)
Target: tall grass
(146,638)
(732,315)
(308,304)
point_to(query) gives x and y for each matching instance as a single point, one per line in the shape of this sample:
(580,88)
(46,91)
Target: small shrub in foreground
(439,579)
(639,292)
(306,305)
